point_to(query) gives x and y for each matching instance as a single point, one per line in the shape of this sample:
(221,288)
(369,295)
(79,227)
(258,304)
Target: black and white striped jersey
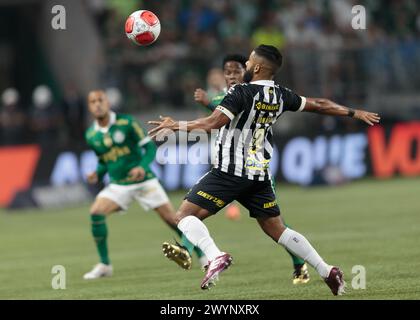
(244,146)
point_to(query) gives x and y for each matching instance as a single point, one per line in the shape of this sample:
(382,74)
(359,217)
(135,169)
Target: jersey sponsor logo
(261,106)
(122,122)
(118,136)
(107,141)
(257,143)
(268,205)
(219,202)
(265,120)
(115,153)
(258,165)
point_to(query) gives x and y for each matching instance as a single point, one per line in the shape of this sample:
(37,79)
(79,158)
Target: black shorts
(217,189)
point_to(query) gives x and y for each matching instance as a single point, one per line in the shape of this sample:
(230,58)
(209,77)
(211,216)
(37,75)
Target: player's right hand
(92,178)
(200,96)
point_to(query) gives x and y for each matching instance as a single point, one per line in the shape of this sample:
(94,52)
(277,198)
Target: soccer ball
(142,27)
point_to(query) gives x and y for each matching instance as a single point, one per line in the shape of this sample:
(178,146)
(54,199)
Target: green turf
(374,224)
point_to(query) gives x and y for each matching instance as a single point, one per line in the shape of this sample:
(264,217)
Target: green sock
(198,252)
(179,232)
(189,246)
(100,233)
(296,260)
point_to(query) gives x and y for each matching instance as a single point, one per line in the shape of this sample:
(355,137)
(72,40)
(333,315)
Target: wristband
(351,113)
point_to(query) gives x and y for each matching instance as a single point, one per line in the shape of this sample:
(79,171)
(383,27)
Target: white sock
(203,261)
(300,246)
(198,234)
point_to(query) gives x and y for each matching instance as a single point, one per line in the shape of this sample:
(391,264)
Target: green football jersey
(118,148)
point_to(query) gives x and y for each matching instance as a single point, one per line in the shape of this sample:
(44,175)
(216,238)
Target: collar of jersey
(264,82)
(112,120)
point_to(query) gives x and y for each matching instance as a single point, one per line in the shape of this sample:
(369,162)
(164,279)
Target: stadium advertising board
(32,177)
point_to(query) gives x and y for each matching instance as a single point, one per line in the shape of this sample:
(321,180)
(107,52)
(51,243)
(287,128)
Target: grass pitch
(375,224)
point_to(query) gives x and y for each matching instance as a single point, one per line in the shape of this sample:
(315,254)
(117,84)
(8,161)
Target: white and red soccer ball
(142,27)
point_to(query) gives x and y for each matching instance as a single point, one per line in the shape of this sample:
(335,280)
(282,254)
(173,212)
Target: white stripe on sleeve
(302,105)
(229,114)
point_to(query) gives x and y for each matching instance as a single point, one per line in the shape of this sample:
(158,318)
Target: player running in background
(125,153)
(245,118)
(234,66)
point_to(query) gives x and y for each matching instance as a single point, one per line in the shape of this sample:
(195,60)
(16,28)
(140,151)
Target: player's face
(98,104)
(251,66)
(233,72)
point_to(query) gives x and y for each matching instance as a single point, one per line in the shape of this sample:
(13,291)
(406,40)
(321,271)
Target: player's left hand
(369,117)
(136,174)
(164,127)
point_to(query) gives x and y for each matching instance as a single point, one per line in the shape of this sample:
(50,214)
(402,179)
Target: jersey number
(257,141)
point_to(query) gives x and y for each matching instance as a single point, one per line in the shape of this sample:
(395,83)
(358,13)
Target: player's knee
(178,218)
(96,210)
(276,233)
(181,215)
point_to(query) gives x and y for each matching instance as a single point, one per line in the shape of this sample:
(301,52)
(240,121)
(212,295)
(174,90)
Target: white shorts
(149,194)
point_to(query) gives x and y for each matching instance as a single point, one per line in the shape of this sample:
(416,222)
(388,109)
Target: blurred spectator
(198,18)
(268,33)
(341,13)
(215,82)
(12,118)
(324,56)
(115,98)
(233,33)
(46,119)
(74,112)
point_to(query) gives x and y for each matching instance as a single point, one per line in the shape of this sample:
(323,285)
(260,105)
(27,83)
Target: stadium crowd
(324,56)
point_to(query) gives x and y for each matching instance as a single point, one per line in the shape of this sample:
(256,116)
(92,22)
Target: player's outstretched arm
(328,107)
(167,125)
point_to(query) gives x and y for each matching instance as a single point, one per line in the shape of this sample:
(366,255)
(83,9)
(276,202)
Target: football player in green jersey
(233,70)
(125,152)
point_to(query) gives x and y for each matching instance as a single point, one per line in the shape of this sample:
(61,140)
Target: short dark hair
(235,57)
(270,53)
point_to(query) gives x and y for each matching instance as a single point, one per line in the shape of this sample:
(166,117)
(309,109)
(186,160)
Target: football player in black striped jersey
(244,119)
